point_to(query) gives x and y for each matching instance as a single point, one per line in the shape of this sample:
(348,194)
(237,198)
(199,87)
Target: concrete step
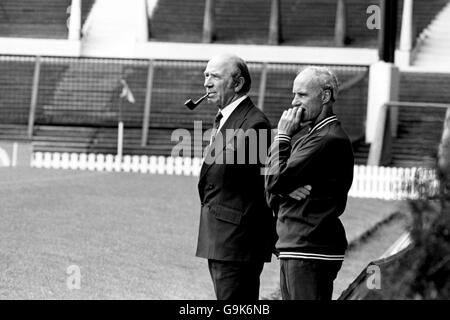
(438,28)
(432,62)
(114,28)
(435,58)
(439,42)
(435,37)
(435,49)
(439,49)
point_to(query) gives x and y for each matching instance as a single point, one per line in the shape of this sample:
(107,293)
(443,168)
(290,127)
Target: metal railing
(63,91)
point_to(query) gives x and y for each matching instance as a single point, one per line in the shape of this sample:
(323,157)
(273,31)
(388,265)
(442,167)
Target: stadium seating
(86,6)
(76,93)
(360,151)
(304,22)
(424,87)
(174,20)
(312,22)
(242,21)
(16,78)
(84,94)
(419,133)
(38,19)
(15,132)
(34,19)
(420,128)
(425,11)
(78,104)
(104,140)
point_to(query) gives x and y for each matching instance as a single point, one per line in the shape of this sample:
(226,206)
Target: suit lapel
(235,121)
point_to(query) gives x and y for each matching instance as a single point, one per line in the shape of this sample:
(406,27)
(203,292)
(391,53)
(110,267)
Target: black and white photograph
(225,155)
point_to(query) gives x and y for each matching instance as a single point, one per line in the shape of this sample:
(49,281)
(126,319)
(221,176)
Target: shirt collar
(228,110)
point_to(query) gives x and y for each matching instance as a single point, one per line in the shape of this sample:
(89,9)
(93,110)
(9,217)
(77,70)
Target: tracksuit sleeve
(286,171)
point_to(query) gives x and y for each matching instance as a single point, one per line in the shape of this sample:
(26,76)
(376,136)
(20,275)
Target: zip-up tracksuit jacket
(323,158)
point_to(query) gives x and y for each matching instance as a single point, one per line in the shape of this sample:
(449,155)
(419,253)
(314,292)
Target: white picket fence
(109,162)
(388,183)
(393,183)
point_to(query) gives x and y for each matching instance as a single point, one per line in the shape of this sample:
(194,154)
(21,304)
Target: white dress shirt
(228,110)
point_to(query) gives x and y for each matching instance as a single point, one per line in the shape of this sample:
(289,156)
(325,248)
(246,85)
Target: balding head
(226,79)
(315,89)
(324,78)
(236,68)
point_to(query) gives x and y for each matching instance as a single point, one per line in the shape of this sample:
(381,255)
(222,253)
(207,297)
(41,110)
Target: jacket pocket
(227,214)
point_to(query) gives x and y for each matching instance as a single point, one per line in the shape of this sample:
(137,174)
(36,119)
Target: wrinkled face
(219,82)
(308,95)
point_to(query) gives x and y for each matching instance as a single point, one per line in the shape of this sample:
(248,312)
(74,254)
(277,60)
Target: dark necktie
(216,125)
(217,120)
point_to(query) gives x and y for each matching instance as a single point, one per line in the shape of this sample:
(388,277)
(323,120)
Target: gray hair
(326,78)
(242,71)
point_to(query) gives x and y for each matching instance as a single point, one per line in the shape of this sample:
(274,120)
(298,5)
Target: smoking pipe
(192,105)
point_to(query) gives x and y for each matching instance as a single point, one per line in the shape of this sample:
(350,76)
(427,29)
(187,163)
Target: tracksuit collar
(323,123)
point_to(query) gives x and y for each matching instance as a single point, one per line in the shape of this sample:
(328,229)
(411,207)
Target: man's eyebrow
(211,73)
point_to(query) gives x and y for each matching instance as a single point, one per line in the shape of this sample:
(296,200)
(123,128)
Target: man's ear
(238,84)
(326,96)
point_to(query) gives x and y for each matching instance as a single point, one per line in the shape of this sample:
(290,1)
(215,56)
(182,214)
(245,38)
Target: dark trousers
(307,279)
(235,280)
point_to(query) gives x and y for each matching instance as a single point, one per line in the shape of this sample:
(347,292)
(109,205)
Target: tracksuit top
(323,158)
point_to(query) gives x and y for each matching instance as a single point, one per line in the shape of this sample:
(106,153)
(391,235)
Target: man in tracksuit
(311,238)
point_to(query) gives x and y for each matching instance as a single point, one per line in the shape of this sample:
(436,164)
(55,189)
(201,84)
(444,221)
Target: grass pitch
(133,236)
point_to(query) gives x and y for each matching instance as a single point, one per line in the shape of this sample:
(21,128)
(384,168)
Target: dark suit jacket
(235,222)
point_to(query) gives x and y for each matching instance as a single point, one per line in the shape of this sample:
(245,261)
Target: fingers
(301,193)
(292,113)
(297,196)
(290,121)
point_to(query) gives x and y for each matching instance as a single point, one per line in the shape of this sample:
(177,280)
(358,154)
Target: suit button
(209,187)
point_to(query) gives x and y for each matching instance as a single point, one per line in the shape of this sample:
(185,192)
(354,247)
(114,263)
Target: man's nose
(295,102)
(207,83)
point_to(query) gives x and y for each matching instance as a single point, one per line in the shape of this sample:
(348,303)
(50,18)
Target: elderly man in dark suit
(237,228)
